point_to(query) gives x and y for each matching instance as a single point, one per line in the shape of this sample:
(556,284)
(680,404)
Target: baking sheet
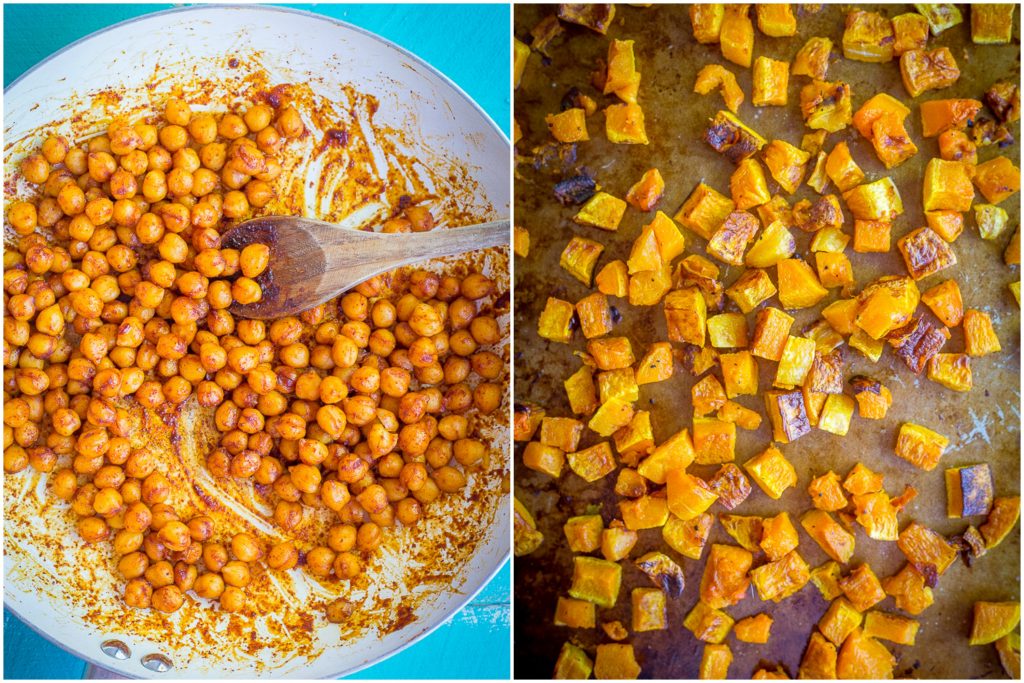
(983,425)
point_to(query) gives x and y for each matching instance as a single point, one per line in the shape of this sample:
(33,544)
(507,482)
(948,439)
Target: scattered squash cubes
(778,536)
(776,19)
(947,186)
(771,334)
(864,657)
(875,201)
(909,589)
(951,370)
(945,301)
(799,287)
(706,20)
(732,237)
(707,623)
(1004,515)
(911,32)
(991,220)
(555,323)
(613,279)
(715,662)
(862,588)
(940,116)
(771,471)
(787,164)
(755,629)
(675,453)
(705,210)
(688,537)
(686,316)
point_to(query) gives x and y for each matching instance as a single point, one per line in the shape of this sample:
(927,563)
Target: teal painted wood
(475,643)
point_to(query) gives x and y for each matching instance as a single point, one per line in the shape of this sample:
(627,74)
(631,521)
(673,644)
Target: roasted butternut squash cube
(584,533)
(731,239)
(782,578)
(688,537)
(616,661)
(521,242)
(745,530)
(733,138)
(778,536)
(826,106)
(947,186)
(715,662)
(826,493)
(688,496)
(611,353)
(939,116)
(992,24)
(862,588)
(951,370)
(621,68)
(751,289)
(568,126)
(891,140)
(656,365)
(948,224)
(724,581)
(739,371)
(997,179)
(818,178)
(649,612)
(923,547)
(611,416)
(737,35)
(834,269)
(777,209)
(624,124)
(644,254)
(748,185)
(1008,648)
(909,589)
(842,169)
(924,70)
(579,258)
(671,242)
(991,220)
(891,627)
(708,624)
(728,331)
(601,211)
(771,471)
(526,420)
(831,240)
(647,192)
(594,463)
(1002,519)
(786,163)
(886,304)
(754,629)
(595,17)
(812,59)
(875,108)
(798,285)
(771,82)
(714,441)
(561,432)
(775,244)
(841,314)
(819,660)
(555,322)
(925,253)
(731,486)
(860,479)
(823,213)
(686,316)
(546,459)
(629,484)
(613,279)
(704,211)
(864,657)
(741,416)
(872,236)
(868,37)
(572,664)
(876,513)
(828,534)
(840,620)
(717,77)
(645,512)
(920,446)
(574,613)
(954,145)
(979,336)
(618,384)
(776,20)
(595,315)
(876,201)
(676,453)
(836,414)
(940,16)
(969,491)
(795,362)
(993,620)
(635,439)
(1011,255)
(706,20)
(826,580)
(910,31)
(787,413)
(771,334)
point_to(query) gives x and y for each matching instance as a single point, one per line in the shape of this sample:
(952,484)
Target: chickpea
(334,494)
(283,556)
(347,565)
(236,573)
(168,599)
(369,536)
(338,610)
(23,217)
(178,112)
(287,513)
(232,599)
(175,535)
(138,593)
(289,123)
(319,561)
(160,574)
(209,586)
(91,529)
(258,193)
(246,548)
(409,511)
(55,149)
(232,127)
(306,478)
(419,218)
(258,117)
(449,479)
(35,168)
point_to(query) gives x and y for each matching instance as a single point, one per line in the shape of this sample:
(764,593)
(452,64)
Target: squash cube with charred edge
(611,416)
(707,396)
(939,116)
(629,484)
(826,373)
(714,441)
(561,432)
(676,453)
(724,581)
(924,70)
(613,279)
(997,179)
(748,185)
(877,515)
(834,269)
(526,420)
(728,331)
(775,244)
(786,163)
(750,290)
(648,287)
(969,491)
(739,370)
(948,224)
(814,401)
(621,69)
(731,486)
(644,255)
(864,657)
(770,469)
(574,613)
(924,547)
(754,629)
(795,363)
(595,315)
(812,59)
(688,496)
(745,530)
(1001,520)
(925,253)
(611,353)
(704,210)
(730,136)
(862,588)
(868,37)
(778,536)
(836,414)
(595,17)
(909,589)
(649,612)
(877,106)
(777,209)
(656,365)
(581,391)
(951,370)
(876,201)
(826,493)
(798,285)
(782,578)
(916,342)
(842,169)
(584,533)
(594,463)
(991,24)
(771,82)
(830,536)
(910,31)
(771,333)
(826,579)
(521,53)
(819,660)
(886,304)
(707,623)
(546,459)
(741,416)
(737,35)
(686,316)
(646,512)
(920,446)
(645,194)
(568,126)
(776,20)
(706,20)
(664,572)
(572,664)
(698,271)
(1003,98)
(635,439)
(872,237)
(716,76)
(979,336)
(556,320)
(822,214)
(954,145)
(601,211)
(616,661)
(788,416)
(947,186)
(688,537)
(891,140)
(731,239)
(624,124)
(826,106)
(840,620)
(891,627)
(991,220)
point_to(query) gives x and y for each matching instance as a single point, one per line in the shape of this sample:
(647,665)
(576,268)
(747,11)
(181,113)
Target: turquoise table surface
(474,644)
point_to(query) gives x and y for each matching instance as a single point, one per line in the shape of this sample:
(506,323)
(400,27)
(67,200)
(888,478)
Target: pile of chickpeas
(117,295)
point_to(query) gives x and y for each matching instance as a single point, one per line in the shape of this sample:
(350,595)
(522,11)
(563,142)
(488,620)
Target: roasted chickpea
(283,556)
(209,586)
(232,599)
(177,112)
(289,123)
(168,599)
(246,548)
(55,148)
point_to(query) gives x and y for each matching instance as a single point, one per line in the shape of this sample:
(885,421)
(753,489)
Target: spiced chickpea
(232,599)
(246,548)
(138,593)
(209,585)
(319,561)
(168,599)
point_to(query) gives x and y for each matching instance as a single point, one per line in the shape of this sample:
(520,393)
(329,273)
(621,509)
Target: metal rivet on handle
(157,663)
(115,649)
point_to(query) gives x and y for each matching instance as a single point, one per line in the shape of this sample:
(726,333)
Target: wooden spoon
(312,261)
